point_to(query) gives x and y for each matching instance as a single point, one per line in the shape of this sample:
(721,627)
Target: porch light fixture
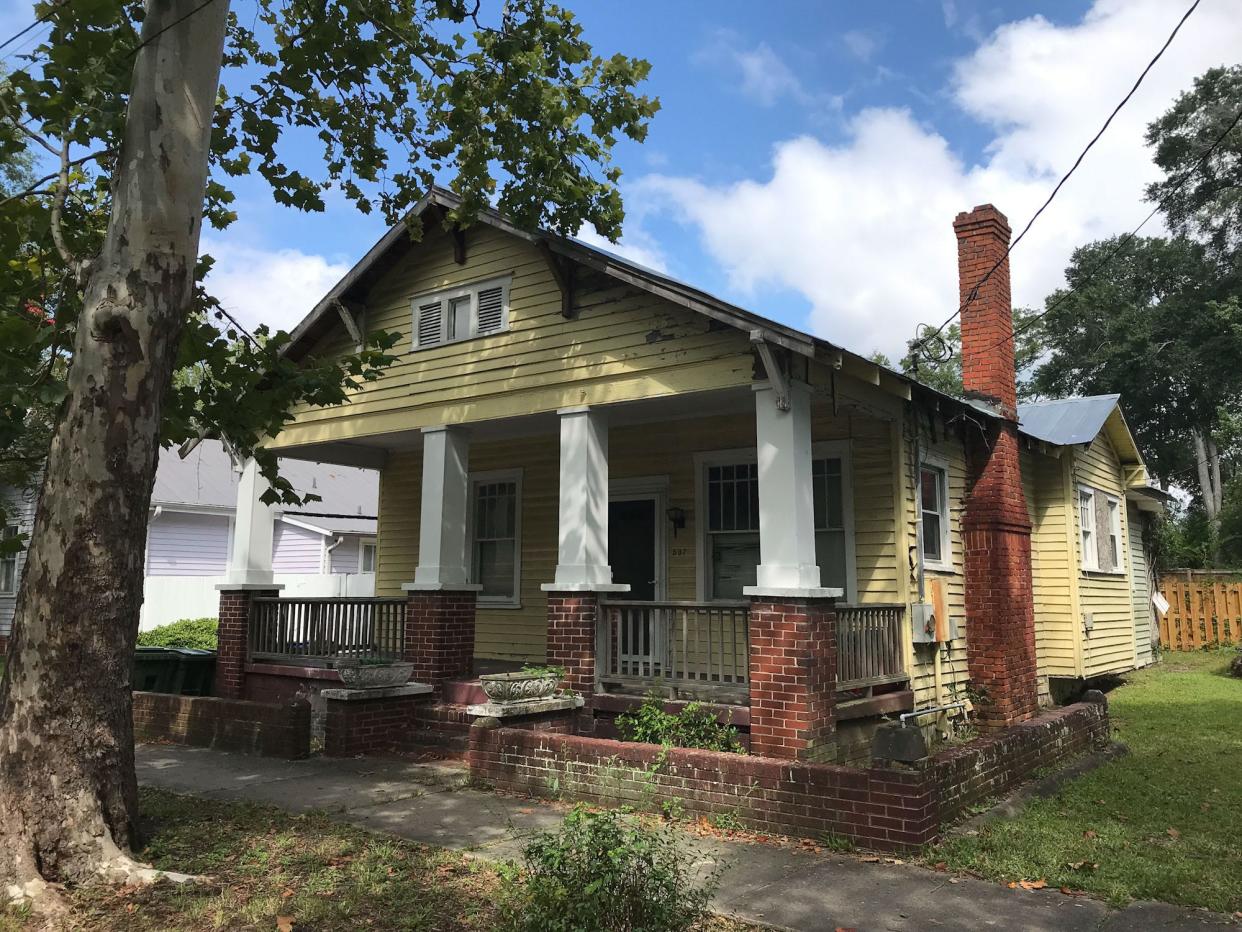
(677,517)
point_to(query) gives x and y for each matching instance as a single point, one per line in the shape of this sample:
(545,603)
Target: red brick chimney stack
(987,317)
(996,526)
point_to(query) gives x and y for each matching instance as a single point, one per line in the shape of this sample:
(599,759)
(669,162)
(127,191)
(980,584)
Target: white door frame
(655,490)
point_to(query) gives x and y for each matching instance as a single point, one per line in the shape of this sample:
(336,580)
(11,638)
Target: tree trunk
(67,786)
(1208,467)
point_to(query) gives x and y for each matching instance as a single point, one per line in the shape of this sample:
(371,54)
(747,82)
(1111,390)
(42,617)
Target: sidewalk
(782,886)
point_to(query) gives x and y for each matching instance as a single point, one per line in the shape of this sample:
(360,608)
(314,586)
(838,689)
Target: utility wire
(974,292)
(1122,243)
(38,22)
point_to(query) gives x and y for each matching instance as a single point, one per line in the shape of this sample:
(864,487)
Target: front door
(632,545)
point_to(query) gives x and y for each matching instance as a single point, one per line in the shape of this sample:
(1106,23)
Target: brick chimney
(987,315)
(996,526)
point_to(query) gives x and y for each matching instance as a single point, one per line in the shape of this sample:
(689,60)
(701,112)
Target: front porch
(632,544)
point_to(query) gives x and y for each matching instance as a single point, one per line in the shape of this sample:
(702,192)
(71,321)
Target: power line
(1125,240)
(38,22)
(974,292)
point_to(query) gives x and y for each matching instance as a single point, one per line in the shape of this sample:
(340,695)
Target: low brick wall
(266,729)
(368,726)
(888,809)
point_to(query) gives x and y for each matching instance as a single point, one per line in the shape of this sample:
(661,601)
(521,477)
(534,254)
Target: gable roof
(1066,421)
(349,497)
(1073,421)
(1044,424)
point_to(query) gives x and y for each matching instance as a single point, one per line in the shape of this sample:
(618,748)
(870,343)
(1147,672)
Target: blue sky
(809,157)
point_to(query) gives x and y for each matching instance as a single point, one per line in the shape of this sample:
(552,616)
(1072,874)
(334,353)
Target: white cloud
(862,45)
(863,228)
(264,286)
(761,73)
(636,245)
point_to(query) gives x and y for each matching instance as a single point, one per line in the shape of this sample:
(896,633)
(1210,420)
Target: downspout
(327,554)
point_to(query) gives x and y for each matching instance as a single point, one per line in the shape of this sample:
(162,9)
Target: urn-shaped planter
(519,687)
(358,675)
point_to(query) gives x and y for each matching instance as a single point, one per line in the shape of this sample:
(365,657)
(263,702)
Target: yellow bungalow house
(586,463)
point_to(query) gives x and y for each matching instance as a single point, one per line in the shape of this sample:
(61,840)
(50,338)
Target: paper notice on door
(1161,603)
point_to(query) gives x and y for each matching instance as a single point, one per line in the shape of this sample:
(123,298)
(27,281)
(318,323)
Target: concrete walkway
(783,886)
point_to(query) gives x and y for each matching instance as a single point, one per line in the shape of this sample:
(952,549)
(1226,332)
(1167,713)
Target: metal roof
(206,478)
(1067,421)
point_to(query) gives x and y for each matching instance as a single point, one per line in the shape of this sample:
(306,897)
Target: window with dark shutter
(430,323)
(491,313)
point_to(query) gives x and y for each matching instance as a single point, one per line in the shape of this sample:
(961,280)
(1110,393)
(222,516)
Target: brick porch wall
(439,634)
(793,662)
(880,808)
(571,638)
(267,729)
(232,636)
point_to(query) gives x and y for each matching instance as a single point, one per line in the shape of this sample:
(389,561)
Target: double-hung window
(934,506)
(496,519)
(1086,528)
(730,512)
(732,491)
(8,562)
(457,314)
(1099,526)
(366,557)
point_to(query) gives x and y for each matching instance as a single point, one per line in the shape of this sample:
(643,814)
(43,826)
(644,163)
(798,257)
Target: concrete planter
(357,675)
(517,687)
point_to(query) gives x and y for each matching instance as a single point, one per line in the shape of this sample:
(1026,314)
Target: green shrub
(603,871)
(188,632)
(694,727)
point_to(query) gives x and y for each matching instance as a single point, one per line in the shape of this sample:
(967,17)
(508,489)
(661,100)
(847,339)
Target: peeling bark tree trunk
(67,786)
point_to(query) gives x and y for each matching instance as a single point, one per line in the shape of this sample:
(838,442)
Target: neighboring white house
(324,548)
(18,507)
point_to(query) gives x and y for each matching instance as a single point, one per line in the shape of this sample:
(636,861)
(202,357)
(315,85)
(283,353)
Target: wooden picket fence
(1205,610)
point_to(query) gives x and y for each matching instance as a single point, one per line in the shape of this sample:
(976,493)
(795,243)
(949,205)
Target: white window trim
(363,543)
(498,475)
(945,563)
(824,449)
(1089,557)
(14,557)
(445,295)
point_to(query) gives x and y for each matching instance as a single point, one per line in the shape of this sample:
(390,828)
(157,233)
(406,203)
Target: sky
(809,157)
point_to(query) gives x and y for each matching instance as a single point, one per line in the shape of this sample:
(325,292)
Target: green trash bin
(154,668)
(195,671)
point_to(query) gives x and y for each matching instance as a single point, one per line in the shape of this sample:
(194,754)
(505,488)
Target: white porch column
(442,531)
(582,555)
(786,501)
(250,563)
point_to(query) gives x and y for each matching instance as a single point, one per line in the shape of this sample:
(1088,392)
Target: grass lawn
(1162,823)
(269,869)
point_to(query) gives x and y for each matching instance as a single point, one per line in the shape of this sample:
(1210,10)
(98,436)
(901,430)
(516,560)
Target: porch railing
(869,645)
(322,630)
(683,649)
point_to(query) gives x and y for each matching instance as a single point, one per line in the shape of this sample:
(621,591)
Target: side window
(366,559)
(8,562)
(934,505)
(831,552)
(1086,528)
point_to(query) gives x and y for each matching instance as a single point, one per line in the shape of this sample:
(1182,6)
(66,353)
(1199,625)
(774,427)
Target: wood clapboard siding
(186,544)
(296,550)
(664,449)
(19,510)
(1052,564)
(624,344)
(954,670)
(1140,588)
(1109,646)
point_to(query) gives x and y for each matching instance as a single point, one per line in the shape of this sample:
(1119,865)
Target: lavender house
(325,548)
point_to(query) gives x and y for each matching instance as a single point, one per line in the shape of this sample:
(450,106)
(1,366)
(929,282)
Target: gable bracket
(564,270)
(459,245)
(350,322)
(775,372)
